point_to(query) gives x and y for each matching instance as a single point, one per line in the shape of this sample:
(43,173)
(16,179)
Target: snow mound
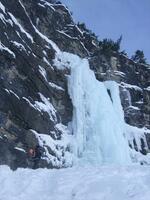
(91,183)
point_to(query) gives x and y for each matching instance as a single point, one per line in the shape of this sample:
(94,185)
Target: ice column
(98,121)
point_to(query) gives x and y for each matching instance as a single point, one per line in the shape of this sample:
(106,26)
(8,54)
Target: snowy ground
(86,183)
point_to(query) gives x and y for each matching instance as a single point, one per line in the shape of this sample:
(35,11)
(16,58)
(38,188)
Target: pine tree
(118,43)
(139,57)
(108,45)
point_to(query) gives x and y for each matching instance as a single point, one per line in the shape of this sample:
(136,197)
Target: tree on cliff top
(108,45)
(139,57)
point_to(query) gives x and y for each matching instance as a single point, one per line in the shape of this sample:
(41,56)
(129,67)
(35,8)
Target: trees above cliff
(108,45)
(139,57)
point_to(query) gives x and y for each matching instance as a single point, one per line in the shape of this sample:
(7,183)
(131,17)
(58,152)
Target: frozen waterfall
(98,119)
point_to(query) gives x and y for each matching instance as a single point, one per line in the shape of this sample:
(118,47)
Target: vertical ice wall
(98,121)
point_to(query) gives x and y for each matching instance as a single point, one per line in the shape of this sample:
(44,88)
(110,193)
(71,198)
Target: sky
(112,18)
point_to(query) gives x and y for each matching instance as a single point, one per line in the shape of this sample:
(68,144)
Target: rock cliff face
(34,100)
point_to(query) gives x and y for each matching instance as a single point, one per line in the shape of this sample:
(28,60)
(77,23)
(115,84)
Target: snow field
(87,183)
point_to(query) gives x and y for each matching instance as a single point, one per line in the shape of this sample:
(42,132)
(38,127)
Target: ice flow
(98,119)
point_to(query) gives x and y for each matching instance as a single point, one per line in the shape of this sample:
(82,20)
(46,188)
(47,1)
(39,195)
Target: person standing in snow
(37,157)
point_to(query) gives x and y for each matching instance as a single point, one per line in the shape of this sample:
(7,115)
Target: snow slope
(90,183)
